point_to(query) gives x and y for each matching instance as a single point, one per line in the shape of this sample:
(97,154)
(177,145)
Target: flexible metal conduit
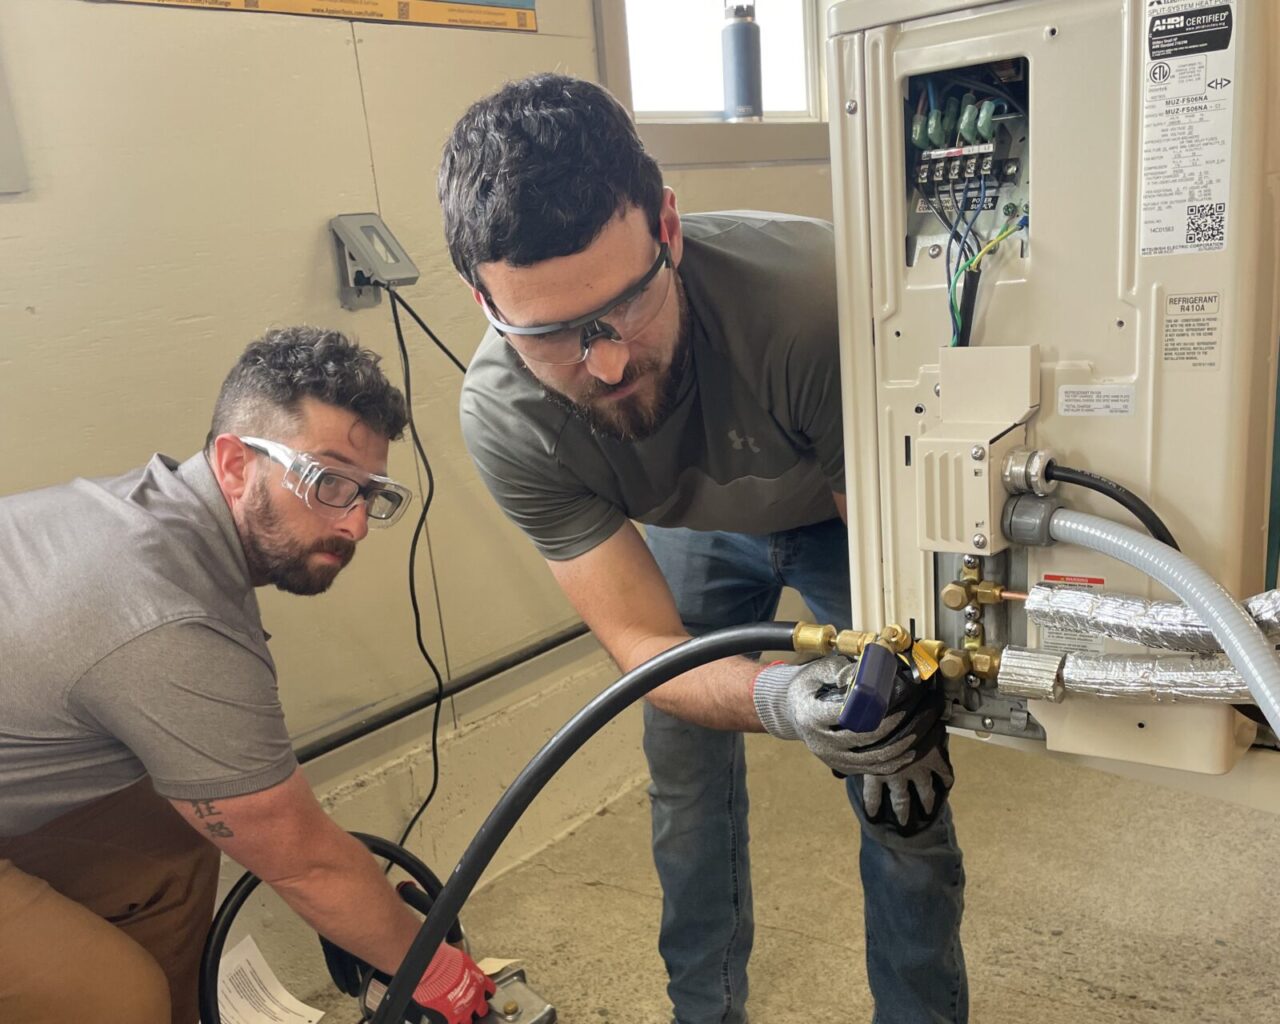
(1238,634)
(723,643)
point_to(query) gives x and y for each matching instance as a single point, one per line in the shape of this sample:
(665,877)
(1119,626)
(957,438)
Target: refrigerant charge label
(1188,100)
(1095,400)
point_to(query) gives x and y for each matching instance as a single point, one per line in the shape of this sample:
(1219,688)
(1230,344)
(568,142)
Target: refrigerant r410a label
(1188,101)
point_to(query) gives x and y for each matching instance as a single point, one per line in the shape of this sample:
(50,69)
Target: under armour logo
(738,442)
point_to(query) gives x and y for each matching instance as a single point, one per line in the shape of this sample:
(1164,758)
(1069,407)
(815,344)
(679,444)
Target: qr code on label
(1206,222)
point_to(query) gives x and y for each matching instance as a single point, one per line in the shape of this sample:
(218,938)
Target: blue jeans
(913,888)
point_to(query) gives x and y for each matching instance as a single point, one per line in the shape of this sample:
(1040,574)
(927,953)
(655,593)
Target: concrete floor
(1090,898)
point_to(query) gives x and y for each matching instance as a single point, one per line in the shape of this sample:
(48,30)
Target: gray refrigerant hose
(1234,628)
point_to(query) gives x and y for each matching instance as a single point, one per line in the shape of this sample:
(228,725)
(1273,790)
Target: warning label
(1192,331)
(1063,639)
(1188,104)
(1095,400)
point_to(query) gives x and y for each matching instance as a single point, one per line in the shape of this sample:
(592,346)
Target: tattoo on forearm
(204,810)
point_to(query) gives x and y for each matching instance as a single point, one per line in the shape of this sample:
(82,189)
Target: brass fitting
(988,592)
(810,638)
(959,593)
(985,662)
(850,642)
(953,664)
(896,637)
(955,595)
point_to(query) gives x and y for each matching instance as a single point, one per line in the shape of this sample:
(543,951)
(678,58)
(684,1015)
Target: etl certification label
(1188,103)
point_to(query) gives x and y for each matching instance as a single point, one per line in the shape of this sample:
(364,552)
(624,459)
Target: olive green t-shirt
(754,443)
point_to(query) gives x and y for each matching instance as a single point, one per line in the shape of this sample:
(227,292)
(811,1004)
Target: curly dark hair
(262,392)
(538,169)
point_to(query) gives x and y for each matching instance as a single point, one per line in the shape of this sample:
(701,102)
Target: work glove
(904,757)
(453,990)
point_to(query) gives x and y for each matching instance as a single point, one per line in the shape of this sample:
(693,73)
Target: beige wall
(183,166)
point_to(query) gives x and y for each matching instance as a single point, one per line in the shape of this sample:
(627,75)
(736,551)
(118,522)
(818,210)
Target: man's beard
(276,558)
(633,418)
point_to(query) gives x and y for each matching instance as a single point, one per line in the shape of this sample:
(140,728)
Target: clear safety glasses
(620,319)
(332,491)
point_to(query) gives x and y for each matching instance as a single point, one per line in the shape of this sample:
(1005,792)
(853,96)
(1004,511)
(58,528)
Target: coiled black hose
(1140,510)
(211,958)
(723,643)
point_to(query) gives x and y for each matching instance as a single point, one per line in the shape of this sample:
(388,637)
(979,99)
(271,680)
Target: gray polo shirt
(755,442)
(130,644)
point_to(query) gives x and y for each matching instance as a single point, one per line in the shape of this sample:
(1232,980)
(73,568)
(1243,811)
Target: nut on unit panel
(1072,132)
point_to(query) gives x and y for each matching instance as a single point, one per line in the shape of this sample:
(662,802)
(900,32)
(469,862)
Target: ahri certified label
(1188,101)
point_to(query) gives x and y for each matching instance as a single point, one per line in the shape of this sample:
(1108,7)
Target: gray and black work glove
(905,757)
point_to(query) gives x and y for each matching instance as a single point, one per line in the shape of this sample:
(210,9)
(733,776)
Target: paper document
(250,993)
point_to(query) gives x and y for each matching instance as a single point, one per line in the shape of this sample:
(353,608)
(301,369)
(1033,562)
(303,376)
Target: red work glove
(453,990)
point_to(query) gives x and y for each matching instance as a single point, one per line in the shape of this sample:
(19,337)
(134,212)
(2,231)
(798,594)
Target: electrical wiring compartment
(965,173)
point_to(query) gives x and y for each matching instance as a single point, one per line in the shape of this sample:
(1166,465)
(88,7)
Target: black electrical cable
(215,942)
(413,555)
(722,643)
(398,300)
(958,207)
(968,300)
(1140,510)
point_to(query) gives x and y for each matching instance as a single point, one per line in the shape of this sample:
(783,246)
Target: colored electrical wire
(982,200)
(975,263)
(957,207)
(995,90)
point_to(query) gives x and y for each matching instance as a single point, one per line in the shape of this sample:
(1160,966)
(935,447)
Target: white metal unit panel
(1125,392)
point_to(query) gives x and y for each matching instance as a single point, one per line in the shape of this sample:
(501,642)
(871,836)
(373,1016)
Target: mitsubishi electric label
(1188,99)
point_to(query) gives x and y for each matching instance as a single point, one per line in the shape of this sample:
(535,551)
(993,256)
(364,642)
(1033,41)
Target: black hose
(215,942)
(723,643)
(967,302)
(1141,511)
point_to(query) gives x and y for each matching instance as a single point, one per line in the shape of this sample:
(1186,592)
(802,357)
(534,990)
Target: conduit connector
(1026,519)
(1023,471)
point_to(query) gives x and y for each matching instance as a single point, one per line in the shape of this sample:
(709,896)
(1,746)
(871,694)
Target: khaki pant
(103,914)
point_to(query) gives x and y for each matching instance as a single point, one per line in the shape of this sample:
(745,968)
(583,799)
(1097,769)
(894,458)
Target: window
(663,60)
(788,49)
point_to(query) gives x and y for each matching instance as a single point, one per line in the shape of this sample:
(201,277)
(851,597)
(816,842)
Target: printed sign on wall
(518,15)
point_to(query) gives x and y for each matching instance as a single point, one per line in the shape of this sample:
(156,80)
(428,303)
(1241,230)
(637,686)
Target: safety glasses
(618,320)
(332,491)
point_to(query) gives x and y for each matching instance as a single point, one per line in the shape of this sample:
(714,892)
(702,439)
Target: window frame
(700,140)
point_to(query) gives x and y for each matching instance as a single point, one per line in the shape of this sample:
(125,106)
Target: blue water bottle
(740,42)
